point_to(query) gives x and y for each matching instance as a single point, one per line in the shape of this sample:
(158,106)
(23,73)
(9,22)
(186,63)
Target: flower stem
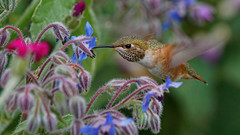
(118,91)
(43,66)
(15,29)
(51,79)
(73,41)
(43,31)
(29,73)
(94,98)
(132,94)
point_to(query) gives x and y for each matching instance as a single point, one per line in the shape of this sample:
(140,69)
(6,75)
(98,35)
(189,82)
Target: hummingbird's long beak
(105,46)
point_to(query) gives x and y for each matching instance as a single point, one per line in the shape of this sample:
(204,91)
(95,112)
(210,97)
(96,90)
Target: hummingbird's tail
(199,78)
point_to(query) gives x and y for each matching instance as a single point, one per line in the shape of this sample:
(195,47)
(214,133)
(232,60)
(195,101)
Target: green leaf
(49,11)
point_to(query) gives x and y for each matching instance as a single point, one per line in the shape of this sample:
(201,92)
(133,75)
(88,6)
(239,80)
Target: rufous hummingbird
(161,60)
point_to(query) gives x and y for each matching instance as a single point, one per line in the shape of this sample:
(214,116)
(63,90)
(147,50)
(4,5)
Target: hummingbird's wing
(188,50)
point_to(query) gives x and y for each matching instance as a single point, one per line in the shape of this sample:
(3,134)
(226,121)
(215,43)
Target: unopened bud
(6,75)
(77,106)
(69,88)
(33,123)
(3,60)
(11,103)
(60,58)
(156,107)
(142,121)
(26,102)
(155,123)
(130,129)
(4,37)
(76,126)
(60,31)
(66,72)
(84,80)
(114,85)
(50,122)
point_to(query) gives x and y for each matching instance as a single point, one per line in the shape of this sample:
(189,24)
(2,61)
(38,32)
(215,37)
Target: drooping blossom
(158,92)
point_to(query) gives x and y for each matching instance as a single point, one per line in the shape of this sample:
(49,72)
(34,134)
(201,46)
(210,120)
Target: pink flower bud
(50,122)
(11,103)
(26,102)
(79,8)
(84,79)
(60,58)
(76,126)
(4,37)
(154,123)
(6,75)
(69,88)
(77,106)
(32,123)
(60,31)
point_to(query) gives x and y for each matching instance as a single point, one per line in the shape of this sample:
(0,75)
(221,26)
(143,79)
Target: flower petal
(88,29)
(109,119)
(125,122)
(145,102)
(92,43)
(112,130)
(82,56)
(87,129)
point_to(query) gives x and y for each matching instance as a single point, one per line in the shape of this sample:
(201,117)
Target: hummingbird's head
(131,48)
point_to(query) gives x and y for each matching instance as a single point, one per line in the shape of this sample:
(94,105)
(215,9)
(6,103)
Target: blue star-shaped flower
(90,130)
(91,44)
(156,94)
(109,122)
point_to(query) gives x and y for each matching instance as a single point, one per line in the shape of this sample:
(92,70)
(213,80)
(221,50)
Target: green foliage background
(194,108)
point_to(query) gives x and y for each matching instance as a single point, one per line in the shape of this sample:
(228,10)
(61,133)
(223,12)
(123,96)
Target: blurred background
(194,108)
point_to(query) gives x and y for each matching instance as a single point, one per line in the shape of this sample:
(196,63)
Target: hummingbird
(161,60)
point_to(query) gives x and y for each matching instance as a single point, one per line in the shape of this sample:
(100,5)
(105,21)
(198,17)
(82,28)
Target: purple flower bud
(3,60)
(156,107)
(50,122)
(6,75)
(79,8)
(69,88)
(60,58)
(85,80)
(32,123)
(4,37)
(60,31)
(26,102)
(11,103)
(76,126)
(130,129)
(154,123)
(77,106)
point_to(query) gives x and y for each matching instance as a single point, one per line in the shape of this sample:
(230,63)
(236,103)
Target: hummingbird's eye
(128,45)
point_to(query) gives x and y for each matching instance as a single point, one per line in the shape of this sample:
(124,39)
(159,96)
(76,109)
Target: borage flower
(37,50)
(78,53)
(158,92)
(107,127)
